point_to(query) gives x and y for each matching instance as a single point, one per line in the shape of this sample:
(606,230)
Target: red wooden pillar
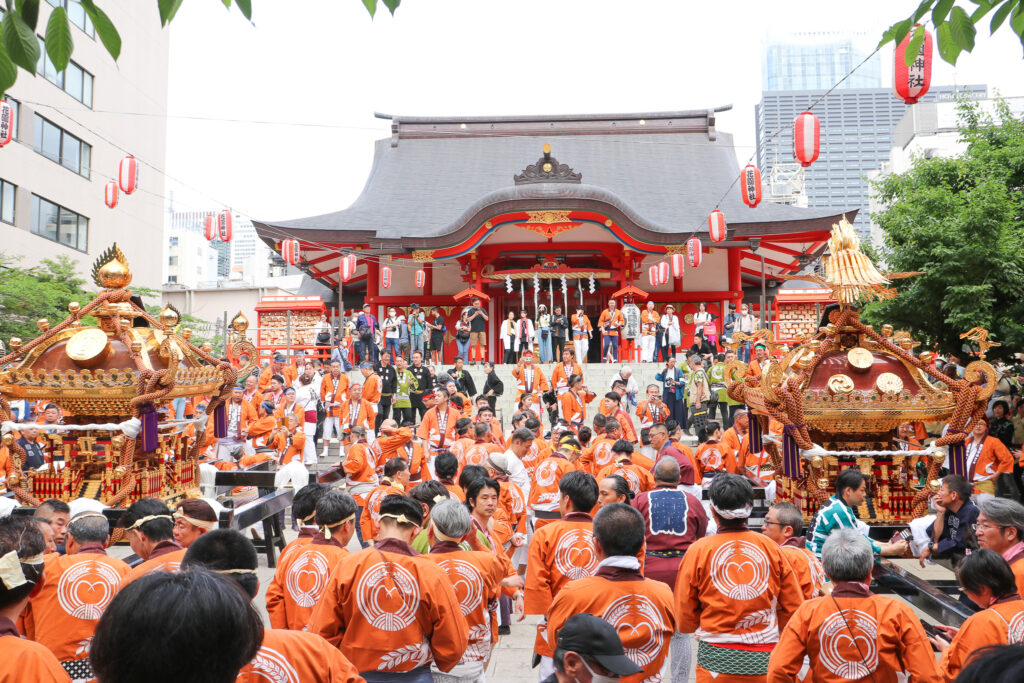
(735,281)
(428,280)
(372,280)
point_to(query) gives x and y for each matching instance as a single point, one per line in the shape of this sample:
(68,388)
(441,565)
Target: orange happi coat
(713,457)
(875,637)
(386,446)
(638,478)
(24,660)
(560,375)
(363,415)
(476,577)
(296,657)
(438,429)
(247,415)
(993,460)
(1000,624)
(477,453)
(628,430)
(736,447)
(282,412)
(305,537)
(529,379)
(334,391)
(640,609)
(735,588)
(412,453)
(574,407)
(389,609)
(538,453)
(288,372)
(544,494)
(64,613)
(649,323)
(369,522)
(371,391)
(290,446)
(608,318)
(513,502)
(581,326)
(597,455)
(559,552)
(166,556)
(360,468)
(650,412)
(299,581)
(809,572)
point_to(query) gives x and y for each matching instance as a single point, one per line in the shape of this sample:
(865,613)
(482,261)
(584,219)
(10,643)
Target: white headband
(738,513)
(149,518)
(11,573)
(199,523)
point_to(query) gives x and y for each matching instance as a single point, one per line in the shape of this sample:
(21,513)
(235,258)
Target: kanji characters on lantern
(716,226)
(6,122)
(750,186)
(694,252)
(421,278)
(290,251)
(224,225)
(678,265)
(385,277)
(911,82)
(806,138)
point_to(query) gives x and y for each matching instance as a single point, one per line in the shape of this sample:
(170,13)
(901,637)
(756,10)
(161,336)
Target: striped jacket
(834,515)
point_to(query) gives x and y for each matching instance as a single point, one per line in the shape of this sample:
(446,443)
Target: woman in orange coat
(288,405)
(987,458)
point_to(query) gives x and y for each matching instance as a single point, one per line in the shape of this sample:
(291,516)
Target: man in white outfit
(307,393)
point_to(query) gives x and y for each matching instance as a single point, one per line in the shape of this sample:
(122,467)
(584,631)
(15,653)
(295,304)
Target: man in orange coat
(22,547)
(284,655)
(240,414)
(641,610)
(598,454)
(572,404)
(301,576)
(304,514)
(476,577)
(563,372)
(649,320)
(783,523)
(610,323)
(529,378)
(653,409)
(277,367)
(582,333)
(437,428)
(371,389)
(482,446)
(150,529)
(853,634)
(79,586)
(251,393)
(389,609)
(559,553)
(735,590)
(736,445)
(544,488)
(357,412)
(394,482)
(987,458)
(639,478)
(334,393)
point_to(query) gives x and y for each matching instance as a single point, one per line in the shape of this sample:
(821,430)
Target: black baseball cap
(595,639)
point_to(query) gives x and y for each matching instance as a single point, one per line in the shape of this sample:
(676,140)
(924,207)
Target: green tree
(19,47)
(960,220)
(955,25)
(43,291)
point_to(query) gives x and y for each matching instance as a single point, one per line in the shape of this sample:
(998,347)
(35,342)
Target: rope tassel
(149,435)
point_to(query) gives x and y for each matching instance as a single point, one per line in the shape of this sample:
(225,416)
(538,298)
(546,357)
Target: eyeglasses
(768,521)
(988,526)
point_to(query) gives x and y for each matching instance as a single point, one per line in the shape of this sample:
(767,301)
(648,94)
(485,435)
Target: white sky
(325,62)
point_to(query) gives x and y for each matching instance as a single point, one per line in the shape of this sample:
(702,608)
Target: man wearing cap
(641,610)
(389,609)
(78,587)
(300,577)
(438,426)
(334,393)
(150,528)
(476,577)
(277,367)
(587,650)
(735,590)
(560,551)
(610,323)
(582,333)
(529,378)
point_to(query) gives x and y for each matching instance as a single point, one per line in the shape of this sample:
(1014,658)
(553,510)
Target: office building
(818,60)
(71,134)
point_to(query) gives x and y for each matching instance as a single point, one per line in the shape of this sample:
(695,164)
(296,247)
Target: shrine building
(488,204)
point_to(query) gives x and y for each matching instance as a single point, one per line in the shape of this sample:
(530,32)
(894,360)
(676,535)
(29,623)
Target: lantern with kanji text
(224,224)
(716,226)
(385,277)
(110,194)
(128,175)
(693,252)
(750,186)
(678,265)
(911,82)
(421,278)
(806,138)
(6,122)
(290,251)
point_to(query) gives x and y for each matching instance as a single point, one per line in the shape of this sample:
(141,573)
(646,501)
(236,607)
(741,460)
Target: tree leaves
(20,41)
(58,38)
(8,71)
(105,29)
(941,11)
(371,6)
(914,46)
(167,9)
(29,11)
(962,28)
(392,5)
(246,8)
(1000,16)
(948,49)
(955,29)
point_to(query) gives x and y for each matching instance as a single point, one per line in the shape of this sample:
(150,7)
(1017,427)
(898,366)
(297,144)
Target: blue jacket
(680,387)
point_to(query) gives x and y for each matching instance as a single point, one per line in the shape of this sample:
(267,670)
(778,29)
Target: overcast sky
(321,68)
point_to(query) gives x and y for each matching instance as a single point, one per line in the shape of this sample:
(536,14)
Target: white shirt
(517,473)
(393,334)
(306,395)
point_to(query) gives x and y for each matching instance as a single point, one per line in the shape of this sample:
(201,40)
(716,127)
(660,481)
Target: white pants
(581,346)
(469,672)
(332,429)
(309,450)
(546,668)
(680,654)
(647,348)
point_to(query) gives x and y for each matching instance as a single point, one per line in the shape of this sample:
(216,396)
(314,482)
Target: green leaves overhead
(20,41)
(914,46)
(392,5)
(371,6)
(168,8)
(8,71)
(58,38)
(109,36)
(955,23)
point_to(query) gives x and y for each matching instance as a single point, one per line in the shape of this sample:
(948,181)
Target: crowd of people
(547,334)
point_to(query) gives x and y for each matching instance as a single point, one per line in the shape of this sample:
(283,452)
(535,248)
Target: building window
(61,225)
(174,241)
(56,144)
(172,278)
(74,80)
(172,261)
(7,192)
(77,15)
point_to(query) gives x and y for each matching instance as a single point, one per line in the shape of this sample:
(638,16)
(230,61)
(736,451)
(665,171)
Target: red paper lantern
(347,267)
(750,186)
(6,122)
(385,277)
(224,223)
(652,276)
(290,252)
(663,272)
(806,138)
(716,226)
(910,83)
(211,226)
(678,265)
(693,252)
(110,194)
(128,175)
(421,278)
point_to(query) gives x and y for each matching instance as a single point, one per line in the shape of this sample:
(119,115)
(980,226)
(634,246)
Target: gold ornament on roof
(111,269)
(979,335)
(849,273)
(169,316)
(240,323)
